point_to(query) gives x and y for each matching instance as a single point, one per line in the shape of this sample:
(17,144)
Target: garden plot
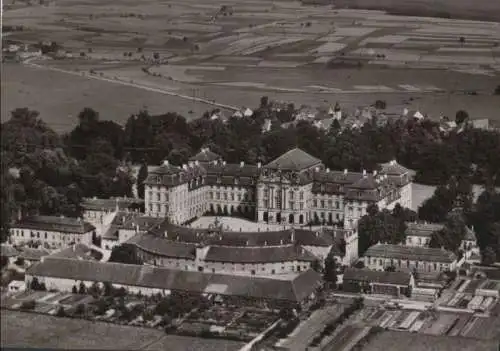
(279,64)
(387,39)
(458,60)
(440,326)
(328,48)
(353,31)
(331,38)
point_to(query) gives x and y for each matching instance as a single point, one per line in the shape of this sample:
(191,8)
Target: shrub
(28,305)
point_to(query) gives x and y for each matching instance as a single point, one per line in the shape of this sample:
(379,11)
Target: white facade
(381,263)
(54,239)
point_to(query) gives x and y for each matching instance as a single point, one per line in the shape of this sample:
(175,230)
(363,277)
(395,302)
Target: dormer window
(322,188)
(236,180)
(219,180)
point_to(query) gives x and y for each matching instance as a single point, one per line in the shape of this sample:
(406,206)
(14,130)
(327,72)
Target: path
(106,254)
(29,62)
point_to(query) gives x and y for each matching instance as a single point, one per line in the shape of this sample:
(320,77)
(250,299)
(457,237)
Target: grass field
(280,49)
(26,330)
(466,9)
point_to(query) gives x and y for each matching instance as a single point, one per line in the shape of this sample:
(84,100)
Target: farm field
(20,329)
(234,54)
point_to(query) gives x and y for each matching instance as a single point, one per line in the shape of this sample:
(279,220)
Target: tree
(316,265)
(380,104)
(451,236)
(461,116)
(462,40)
(61,312)
(108,289)
(81,288)
(74,290)
(330,271)
(497,90)
(489,256)
(125,253)
(141,178)
(80,309)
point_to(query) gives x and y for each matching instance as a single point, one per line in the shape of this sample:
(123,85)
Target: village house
(395,284)
(411,258)
(101,212)
(51,231)
(63,274)
(419,234)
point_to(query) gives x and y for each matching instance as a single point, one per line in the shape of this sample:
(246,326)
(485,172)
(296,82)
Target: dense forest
(47,173)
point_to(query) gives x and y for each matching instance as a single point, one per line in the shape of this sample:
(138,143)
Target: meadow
(28,330)
(235,53)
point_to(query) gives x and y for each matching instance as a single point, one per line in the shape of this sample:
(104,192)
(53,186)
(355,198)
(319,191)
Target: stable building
(395,284)
(63,274)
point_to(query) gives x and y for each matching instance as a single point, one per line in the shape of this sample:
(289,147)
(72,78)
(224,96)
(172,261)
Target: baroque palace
(295,189)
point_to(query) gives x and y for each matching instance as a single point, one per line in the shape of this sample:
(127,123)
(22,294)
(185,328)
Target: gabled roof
(9,251)
(422,229)
(366,275)
(258,254)
(412,253)
(393,168)
(96,204)
(33,254)
(163,247)
(55,223)
(294,160)
(78,252)
(205,155)
(294,289)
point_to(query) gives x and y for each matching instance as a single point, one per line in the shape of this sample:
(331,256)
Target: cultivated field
(21,329)
(235,53)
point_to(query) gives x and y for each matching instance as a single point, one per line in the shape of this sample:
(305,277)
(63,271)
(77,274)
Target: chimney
(184,167)
(374,173)
(364,173)
(247,243)
(216,162)
(242,164)
(265,243)
(259,164)
(197,162)
(328,170)
(137,228)
(223,163)
(345,171)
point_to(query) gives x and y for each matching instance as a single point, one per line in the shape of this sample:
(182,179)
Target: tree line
(55,171)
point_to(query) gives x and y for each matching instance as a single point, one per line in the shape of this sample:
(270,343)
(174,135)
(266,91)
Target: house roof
(54,223)
(470,234)
(205,155)
(392,278)
(95,204)
(163,247)
(294,160)
(394,168)
(412,253)
(323,238)
(33,254)
(294,289)
(422,229)
(78,252)
(258,254)
(8,251)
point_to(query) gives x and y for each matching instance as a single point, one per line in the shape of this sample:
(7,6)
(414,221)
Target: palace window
(291,195)
(301,195)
